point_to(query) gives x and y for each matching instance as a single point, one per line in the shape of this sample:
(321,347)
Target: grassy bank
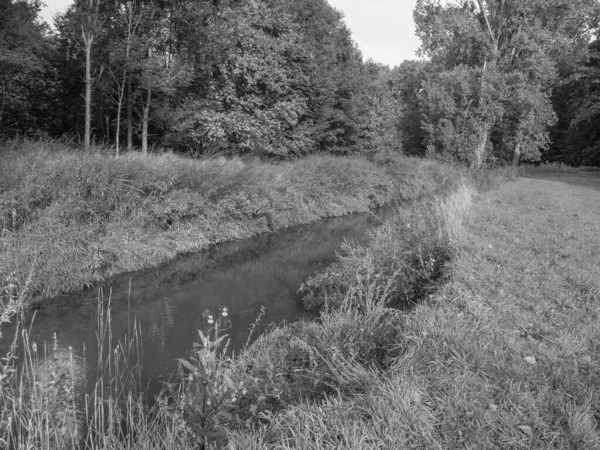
(504,355)
(271,394)
(73,220)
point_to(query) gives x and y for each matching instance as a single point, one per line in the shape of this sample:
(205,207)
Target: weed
(409,251)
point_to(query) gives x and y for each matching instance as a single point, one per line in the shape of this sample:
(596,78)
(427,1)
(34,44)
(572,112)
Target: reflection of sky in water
(168,302)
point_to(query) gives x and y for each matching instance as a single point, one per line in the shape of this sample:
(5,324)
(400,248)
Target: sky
(52,7)
(383,29)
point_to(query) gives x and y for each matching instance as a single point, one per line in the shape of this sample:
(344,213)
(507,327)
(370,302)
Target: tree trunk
(479,156)
(119,107)
(517,155)
(87,33)
(145,120)
(3,102)
(146,116)
(129,115)
(118,129)
(88,93)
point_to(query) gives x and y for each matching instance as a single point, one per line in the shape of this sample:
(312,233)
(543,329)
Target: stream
(168,302)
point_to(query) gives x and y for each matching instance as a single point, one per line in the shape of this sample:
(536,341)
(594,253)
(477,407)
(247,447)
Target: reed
(50,399)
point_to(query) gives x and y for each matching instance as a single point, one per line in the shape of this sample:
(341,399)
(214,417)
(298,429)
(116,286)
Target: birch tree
(128,20)
(89,24)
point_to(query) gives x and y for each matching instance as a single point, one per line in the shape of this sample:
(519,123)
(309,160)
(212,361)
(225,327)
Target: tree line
(500,81)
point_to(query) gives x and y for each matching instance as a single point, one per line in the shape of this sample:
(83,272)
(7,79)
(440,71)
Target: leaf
(219,340)
(187,364)
(225,414)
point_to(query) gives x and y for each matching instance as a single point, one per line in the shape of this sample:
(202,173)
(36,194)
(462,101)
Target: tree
(407,82)
(336,78)
(577,103)
(274,77)
(26,78)
(253,102)
(382,130)
(122,49)
(89,24)
(509,50)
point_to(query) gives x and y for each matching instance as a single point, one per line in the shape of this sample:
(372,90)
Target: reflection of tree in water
(160,323)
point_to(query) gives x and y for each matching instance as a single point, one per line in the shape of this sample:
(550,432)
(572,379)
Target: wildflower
(211,320)
(224,312)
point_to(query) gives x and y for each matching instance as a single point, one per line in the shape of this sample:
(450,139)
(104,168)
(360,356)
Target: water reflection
(169,301)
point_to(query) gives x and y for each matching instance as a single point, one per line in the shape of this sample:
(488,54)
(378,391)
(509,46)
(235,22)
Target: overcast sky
(52,7)
(383,29)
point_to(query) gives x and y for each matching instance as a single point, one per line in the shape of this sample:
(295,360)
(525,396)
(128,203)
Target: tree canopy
(501,80)
(496,63)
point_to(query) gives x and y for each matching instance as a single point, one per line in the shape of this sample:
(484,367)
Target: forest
(497,82)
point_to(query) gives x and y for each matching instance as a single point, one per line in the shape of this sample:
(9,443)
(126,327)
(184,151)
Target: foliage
(407,82)
(492,79)
(254,102)
(26,75)
(270,78)
(210,392)
(576,101)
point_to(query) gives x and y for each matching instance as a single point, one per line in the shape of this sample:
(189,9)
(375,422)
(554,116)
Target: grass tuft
(406,256)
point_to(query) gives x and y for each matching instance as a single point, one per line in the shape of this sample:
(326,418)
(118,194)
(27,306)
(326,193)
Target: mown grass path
(508,352)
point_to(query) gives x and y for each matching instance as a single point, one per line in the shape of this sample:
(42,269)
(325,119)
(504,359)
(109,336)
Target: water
(169,301)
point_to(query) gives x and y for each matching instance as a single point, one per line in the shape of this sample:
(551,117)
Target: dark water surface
(169,301)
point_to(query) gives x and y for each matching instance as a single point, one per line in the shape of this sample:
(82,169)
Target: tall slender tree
(128,20)
(90,18)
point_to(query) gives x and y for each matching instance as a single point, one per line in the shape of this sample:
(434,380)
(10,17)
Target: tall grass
(409,251)
(353,395)
(325,384)
(46,402)
(80,218)
(77,219)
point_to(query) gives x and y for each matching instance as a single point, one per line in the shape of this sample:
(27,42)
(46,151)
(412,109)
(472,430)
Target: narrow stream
(169,301)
